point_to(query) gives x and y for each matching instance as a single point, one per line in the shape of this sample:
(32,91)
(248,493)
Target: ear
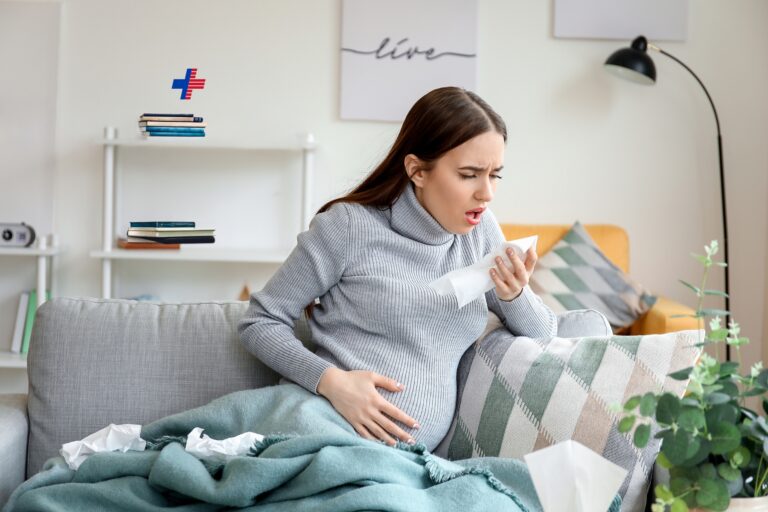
(415,169)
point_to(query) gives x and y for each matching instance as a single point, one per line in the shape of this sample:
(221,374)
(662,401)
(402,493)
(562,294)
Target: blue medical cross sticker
(189,83)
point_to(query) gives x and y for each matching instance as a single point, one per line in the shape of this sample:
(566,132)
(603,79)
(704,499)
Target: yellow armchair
(614,242)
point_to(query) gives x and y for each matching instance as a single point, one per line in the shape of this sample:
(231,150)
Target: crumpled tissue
(569,477)
(111,438)
(203,447)
(471,282)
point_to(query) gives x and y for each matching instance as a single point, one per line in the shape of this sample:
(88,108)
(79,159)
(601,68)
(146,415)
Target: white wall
(583,145)
(29,43)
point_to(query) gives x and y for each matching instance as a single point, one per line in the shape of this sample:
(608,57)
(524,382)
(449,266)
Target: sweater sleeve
(526,315)
(314,266)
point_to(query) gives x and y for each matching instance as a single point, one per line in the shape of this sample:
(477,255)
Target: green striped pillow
(518,395)
(576,274)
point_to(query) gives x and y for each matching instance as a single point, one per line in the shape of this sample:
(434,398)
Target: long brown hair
(439,121)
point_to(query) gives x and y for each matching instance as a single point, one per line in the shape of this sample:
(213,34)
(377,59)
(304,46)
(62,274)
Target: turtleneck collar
(410,219)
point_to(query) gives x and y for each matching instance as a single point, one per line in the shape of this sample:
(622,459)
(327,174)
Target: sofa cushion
(95,361)
(576,274)
(517,395)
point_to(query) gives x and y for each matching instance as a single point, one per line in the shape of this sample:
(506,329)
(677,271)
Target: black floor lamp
(635,64)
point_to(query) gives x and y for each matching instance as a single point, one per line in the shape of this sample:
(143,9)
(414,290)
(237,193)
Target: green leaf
(741,457)
(691,419)
(667,409)
(713,312)
(632,403)
(678,505)
(718,334)
(683,374)
(725,437)
(715,292)
(683,316)
(679,485)
(675,447)
(626,424)
(708,471)
(762,378)
(662,492)
(720,263)
(717,398)
(648,404)
(663,461)
(765,406)
(695,289)
(642,434)
(713,494)
(728,472)
(728,367)
(728,413)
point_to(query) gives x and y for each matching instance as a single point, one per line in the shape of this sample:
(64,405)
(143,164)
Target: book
(171,129)
(180,239)
(166,232)
(163,224)
(31,310)
(21,316)
(171,118)
(124,243)
(152,114)
(172,134)
(173,124)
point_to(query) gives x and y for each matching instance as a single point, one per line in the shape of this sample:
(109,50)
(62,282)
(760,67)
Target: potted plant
(714,446)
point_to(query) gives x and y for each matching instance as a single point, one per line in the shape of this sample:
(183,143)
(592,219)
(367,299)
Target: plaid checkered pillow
(517,395)
(576,274)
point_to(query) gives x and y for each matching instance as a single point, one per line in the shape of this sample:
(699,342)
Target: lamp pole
(635,64)
(722,186)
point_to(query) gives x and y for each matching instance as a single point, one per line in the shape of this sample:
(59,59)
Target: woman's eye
(496,176)
(467,176)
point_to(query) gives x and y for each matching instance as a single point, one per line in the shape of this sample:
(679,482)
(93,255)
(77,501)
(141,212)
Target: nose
(485,189)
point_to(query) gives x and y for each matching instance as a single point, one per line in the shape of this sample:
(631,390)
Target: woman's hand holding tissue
(353,394)
(511,279)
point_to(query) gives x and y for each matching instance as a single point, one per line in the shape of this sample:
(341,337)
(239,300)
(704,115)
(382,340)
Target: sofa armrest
(13,443)
(658,319)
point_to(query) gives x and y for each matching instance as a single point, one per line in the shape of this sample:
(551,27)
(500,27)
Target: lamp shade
(633,63)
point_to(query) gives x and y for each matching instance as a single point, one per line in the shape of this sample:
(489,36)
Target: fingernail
(411,441)
(416,425)
(399,386)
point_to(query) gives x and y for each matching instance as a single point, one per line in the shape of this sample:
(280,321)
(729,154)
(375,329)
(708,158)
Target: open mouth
(473,216)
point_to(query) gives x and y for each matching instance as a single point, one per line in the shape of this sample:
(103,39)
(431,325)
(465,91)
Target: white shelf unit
(42,253)
(108,252)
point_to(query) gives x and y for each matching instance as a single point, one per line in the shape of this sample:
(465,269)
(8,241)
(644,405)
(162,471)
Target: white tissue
(203,447)
(569,477)
(471,282)
(111,438)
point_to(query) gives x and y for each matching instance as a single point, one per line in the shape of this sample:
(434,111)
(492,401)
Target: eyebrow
(478,169)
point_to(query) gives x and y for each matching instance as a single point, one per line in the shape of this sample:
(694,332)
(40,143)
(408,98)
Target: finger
(394,430)
(531,260)
(363,432)
(517,263)
(502,288)
(398,415)
(375,429)
(386,383)
(504,271)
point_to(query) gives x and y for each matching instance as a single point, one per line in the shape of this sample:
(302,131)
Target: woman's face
(462,182)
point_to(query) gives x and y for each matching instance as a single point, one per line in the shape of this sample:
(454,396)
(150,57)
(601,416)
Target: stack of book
(164,233)
(171,125)
(25,318)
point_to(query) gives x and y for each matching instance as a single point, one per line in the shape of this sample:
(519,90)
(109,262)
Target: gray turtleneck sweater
(371,270)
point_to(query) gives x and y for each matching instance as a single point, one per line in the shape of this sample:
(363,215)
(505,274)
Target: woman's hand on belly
(353,394)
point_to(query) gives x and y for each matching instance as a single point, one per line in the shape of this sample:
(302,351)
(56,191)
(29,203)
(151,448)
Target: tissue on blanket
(471,282)
(203,447)
(111,438)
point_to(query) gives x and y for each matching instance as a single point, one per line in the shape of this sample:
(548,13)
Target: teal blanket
(310,460)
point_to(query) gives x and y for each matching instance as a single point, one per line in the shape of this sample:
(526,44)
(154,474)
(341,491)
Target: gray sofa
(93,362)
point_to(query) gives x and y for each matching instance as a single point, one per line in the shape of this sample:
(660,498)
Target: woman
(388,344)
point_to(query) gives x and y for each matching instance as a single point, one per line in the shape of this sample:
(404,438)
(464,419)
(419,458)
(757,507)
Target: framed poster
(395,51)
(659,20)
